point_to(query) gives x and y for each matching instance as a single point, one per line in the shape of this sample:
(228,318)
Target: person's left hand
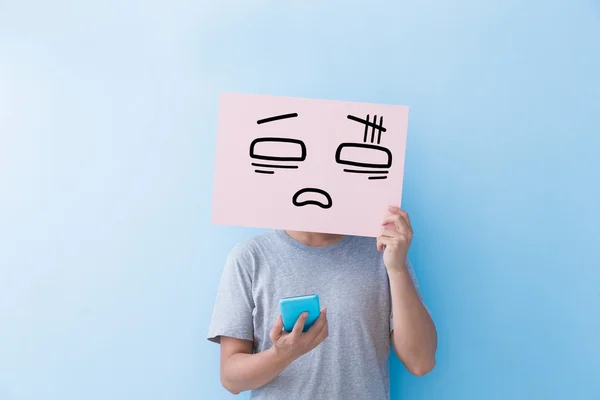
(395,239)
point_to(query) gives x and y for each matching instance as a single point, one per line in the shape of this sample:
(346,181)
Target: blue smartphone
(292,307)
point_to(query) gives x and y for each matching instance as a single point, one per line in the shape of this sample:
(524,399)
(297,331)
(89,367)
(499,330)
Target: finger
(323,334)
(385,241)
(277,328)
(382,242)
(318,325)
(400,221)
(320,336)
(397,221)
(299,325)
(402,213)
(398,237)
(392,233)
(394,209)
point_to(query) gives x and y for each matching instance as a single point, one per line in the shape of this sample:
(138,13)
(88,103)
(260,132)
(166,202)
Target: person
(368,299)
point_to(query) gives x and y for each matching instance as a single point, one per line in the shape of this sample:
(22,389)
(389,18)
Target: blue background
(109,265)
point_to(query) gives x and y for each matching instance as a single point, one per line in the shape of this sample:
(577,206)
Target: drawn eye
(364,155)
(280,150)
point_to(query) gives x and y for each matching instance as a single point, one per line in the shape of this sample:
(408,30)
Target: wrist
(397,268)
(281,357)
(399,275)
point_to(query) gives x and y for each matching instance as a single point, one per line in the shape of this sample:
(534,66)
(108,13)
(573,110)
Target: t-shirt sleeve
(234,305)
(412,274)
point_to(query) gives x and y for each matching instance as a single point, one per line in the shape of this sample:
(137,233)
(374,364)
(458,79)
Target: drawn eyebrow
(276,118)
(367,123)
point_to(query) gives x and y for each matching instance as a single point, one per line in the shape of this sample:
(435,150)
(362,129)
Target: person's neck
(315,239)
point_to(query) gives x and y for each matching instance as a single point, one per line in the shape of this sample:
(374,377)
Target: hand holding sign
(395,239)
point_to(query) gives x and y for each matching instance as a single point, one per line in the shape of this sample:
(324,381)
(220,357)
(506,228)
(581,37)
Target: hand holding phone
(292,307)
(291,345)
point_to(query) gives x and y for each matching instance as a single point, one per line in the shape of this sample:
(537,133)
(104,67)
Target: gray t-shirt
(351,281)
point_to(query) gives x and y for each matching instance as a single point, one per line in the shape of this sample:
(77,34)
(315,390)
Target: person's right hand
(297,343)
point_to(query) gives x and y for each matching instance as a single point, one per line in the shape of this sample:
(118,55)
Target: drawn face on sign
(309,165)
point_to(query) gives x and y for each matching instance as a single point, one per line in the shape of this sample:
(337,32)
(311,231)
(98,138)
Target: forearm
(414,334)
(244,372)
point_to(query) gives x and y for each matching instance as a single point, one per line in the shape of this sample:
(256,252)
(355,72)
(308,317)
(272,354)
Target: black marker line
(264,172)
(362,121)
(378,177)
(357,171)
(312,202)
(366,129)
(274,166)
(339,160)
(373,130)
(276,118)
(302,156)
(380,124)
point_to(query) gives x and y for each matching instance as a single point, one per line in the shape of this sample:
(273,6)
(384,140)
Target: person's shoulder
(251,248)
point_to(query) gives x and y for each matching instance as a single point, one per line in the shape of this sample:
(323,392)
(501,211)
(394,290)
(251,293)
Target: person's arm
(241,370)
(414,336)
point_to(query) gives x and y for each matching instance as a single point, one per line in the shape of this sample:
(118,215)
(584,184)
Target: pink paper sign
(307,165)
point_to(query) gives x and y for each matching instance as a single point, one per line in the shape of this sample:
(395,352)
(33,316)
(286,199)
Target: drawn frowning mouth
(312,196)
